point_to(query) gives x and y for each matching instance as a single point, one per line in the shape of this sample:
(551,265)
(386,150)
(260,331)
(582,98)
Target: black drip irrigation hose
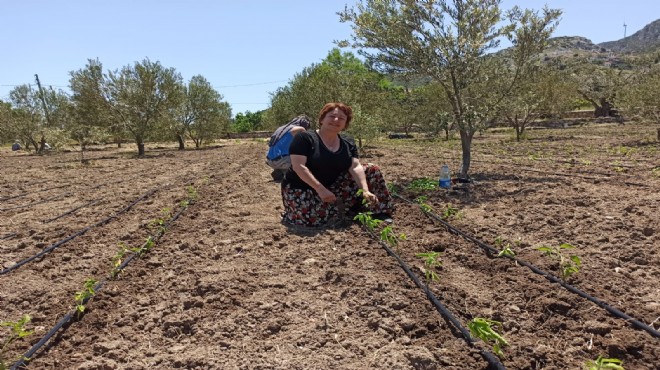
(491,250)
(37,202)
(75,235)
(67,319)
(444,312)
(580,176)
(34,192)
(8,236)
(71,211)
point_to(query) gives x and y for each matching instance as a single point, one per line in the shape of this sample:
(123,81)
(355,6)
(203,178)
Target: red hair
(348,111)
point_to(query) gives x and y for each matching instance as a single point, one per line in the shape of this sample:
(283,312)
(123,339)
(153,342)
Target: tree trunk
(42,145)
(447,133)
(658,134)
(466,144)
(604,109)
(140,145)
(182,144)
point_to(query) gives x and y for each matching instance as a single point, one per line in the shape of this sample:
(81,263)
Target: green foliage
(450,42)
(450,212)
(604,364)
(388,236)
(143,97)
(421,200)
(568,265)
(423,184)
(117,259)
(192,193)
(483,329)
(87,292)
(18,331)
(158,225)
(365,219)
(505,250)
(431,261)
(392,188)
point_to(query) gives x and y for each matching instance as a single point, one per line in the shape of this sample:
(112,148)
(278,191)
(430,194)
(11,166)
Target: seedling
(423,184)
(505,250)
(159,224)
(570,265)
(86,293)
(17,332)
(192,193)
(117,259)
(431,261)
(605,363)
(392,188)
(483,329)
(387,235)
(450,212)
(421,200)
(365,219)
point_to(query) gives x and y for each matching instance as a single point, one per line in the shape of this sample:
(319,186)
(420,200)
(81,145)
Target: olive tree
(642,96)
(204,116)
(449,41)
(142,96)
(91,114)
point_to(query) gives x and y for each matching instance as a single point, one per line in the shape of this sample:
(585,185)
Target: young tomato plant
(505,250)
(18,331)
(86,293)
(568,265)
(605,364)
(365,219)
(387,235)
(421,200)
(431,261)
(423,184)
(117,259)
(483,329)
(450,212)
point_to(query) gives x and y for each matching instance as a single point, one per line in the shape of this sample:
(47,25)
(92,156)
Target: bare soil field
(227,286)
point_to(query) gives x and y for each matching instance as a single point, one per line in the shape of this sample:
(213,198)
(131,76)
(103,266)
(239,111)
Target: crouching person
(326,175)
(278,146)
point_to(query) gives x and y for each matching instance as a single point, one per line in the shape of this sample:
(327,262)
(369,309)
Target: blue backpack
(280,148)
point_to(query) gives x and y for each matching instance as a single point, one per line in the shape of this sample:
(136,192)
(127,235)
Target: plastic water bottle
(445,177)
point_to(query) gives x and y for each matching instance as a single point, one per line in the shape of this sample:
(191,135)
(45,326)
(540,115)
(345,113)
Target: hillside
(644,40)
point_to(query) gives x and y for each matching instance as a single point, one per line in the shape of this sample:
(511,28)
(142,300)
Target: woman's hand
(326,195)
(369,197)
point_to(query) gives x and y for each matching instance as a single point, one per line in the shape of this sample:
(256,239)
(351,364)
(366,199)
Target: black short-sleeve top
(325,165)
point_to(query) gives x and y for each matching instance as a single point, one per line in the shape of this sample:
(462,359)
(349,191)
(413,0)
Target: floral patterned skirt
(304,207)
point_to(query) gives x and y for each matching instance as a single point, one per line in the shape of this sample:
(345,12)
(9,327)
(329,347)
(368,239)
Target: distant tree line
(433,68)
(141,102)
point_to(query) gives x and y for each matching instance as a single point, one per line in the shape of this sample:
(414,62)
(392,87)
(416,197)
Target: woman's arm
(298,164)
(357,172)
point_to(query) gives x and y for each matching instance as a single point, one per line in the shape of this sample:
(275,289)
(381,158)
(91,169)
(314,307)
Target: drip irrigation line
(68,318)
(71,211)
(76,234)
(581,176)
(34,192)
(63,323)
(37,202)
(491,250)
(8,236)
(444,312)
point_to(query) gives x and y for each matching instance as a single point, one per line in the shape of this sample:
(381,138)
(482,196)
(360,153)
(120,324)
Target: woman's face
(335,120)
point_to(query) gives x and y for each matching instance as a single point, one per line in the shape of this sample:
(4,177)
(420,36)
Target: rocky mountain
(644,40)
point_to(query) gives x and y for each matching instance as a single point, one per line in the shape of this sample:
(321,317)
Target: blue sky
(245,48)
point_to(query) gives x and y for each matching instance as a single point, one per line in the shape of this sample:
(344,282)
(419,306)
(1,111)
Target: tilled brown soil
(227,286)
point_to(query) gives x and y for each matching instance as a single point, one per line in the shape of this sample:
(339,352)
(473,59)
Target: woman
(325,172)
